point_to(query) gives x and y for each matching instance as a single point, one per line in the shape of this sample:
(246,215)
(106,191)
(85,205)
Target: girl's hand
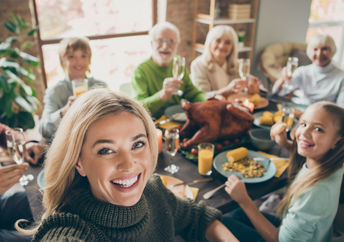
(236,189)
(64,110)
(278,133)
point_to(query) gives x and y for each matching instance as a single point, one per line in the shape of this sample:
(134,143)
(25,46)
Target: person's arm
(56,104)
(140,84)
(190,92)
(340,97)
(10,175)
(237,190)
(216,231)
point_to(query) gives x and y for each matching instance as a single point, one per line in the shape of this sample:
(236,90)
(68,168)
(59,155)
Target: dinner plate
(263,102)
(176,113)
(257,120)
(183,191)
(40,180)
(221,159)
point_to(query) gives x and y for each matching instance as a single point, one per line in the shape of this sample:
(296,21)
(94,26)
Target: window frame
(42,42)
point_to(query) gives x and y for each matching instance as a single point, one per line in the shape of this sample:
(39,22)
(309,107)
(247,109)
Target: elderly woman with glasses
(321,80)
(216,71)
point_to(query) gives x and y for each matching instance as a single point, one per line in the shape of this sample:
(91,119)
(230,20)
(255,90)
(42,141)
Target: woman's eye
(228,42)
(138,144)
(302,124)
(105,151)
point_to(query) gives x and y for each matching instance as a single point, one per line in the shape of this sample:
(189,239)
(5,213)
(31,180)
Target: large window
(327,17)
(117,29)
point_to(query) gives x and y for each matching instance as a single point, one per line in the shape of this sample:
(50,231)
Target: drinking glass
(80,86)
(15,141)
(178,70)
(244,71)
(292,64)
(288,115)
(171,147)
(205,158)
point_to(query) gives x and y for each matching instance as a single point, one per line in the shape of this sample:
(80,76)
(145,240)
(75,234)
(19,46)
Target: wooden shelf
(208,17)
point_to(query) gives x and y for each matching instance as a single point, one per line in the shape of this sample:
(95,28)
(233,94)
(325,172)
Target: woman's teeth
(125,183)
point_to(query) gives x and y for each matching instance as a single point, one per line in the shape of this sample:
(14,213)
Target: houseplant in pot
(18,100)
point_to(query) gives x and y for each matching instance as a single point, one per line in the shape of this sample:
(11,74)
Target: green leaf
(11,26)
(32,31)
(25,120)
(31,60)
(20,22)
(27,45)
(21,102)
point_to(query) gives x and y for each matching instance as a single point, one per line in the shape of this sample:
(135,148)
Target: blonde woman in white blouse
(215,72)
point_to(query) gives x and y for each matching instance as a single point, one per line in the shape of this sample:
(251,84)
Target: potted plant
(18,100)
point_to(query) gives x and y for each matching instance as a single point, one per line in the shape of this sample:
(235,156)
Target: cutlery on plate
(209,194)
(272,158)
(192,182)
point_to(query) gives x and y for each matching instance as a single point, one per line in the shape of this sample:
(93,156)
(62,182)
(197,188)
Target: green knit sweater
(158,216)
(148,80)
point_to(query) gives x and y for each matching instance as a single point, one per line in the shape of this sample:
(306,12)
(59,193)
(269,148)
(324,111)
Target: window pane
(65,18)
(113,60)
(326,10)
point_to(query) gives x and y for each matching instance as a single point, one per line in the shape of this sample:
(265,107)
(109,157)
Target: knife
(193,182)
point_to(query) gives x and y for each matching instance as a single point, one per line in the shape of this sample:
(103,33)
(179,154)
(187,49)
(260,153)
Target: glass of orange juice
(205,158)
(80,86)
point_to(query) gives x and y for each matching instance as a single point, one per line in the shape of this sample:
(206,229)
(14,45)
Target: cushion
(302,56)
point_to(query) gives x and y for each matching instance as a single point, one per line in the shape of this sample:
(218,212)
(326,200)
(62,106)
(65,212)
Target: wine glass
(15,141)
(244,71)
(178,70)
(288,115)
(171,147)
(292,64)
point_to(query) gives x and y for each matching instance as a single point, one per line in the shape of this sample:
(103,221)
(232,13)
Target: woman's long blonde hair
(330,163)
(232,58)
(60,174)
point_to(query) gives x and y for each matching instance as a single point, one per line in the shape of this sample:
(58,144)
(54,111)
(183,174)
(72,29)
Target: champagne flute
(172,146)
(244,71)
(292,64)
(178,70)
(15,141)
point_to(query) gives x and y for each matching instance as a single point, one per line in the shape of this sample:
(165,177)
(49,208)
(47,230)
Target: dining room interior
(269,31)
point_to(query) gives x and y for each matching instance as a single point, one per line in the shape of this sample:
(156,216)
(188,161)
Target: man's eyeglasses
(167,41)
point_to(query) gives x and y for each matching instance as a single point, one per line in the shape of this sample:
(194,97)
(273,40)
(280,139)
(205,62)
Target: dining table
(188,172)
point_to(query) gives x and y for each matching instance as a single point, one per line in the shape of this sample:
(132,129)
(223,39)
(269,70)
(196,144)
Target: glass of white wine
(171,147)
(292,64)
(15,141)
(178,70)
(244,71)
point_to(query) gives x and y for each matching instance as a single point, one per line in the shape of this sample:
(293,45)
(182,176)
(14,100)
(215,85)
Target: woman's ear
(80,168)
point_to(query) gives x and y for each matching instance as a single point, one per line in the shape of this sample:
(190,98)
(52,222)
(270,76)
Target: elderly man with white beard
(153,82)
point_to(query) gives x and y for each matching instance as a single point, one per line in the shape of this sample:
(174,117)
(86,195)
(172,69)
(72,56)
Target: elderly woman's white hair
(162,26)
(214,34)
(322,40)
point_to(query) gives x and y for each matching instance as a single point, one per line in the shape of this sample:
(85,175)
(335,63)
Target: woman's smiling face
(116,158)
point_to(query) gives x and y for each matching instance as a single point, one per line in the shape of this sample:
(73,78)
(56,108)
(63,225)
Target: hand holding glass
(178,70)
(292,64)
(16,147)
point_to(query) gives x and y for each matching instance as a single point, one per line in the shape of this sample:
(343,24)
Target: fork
(209,194)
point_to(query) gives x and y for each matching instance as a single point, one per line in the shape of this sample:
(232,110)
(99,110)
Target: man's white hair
(162,26)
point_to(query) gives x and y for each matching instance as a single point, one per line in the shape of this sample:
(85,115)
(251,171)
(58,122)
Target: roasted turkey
(214,119)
